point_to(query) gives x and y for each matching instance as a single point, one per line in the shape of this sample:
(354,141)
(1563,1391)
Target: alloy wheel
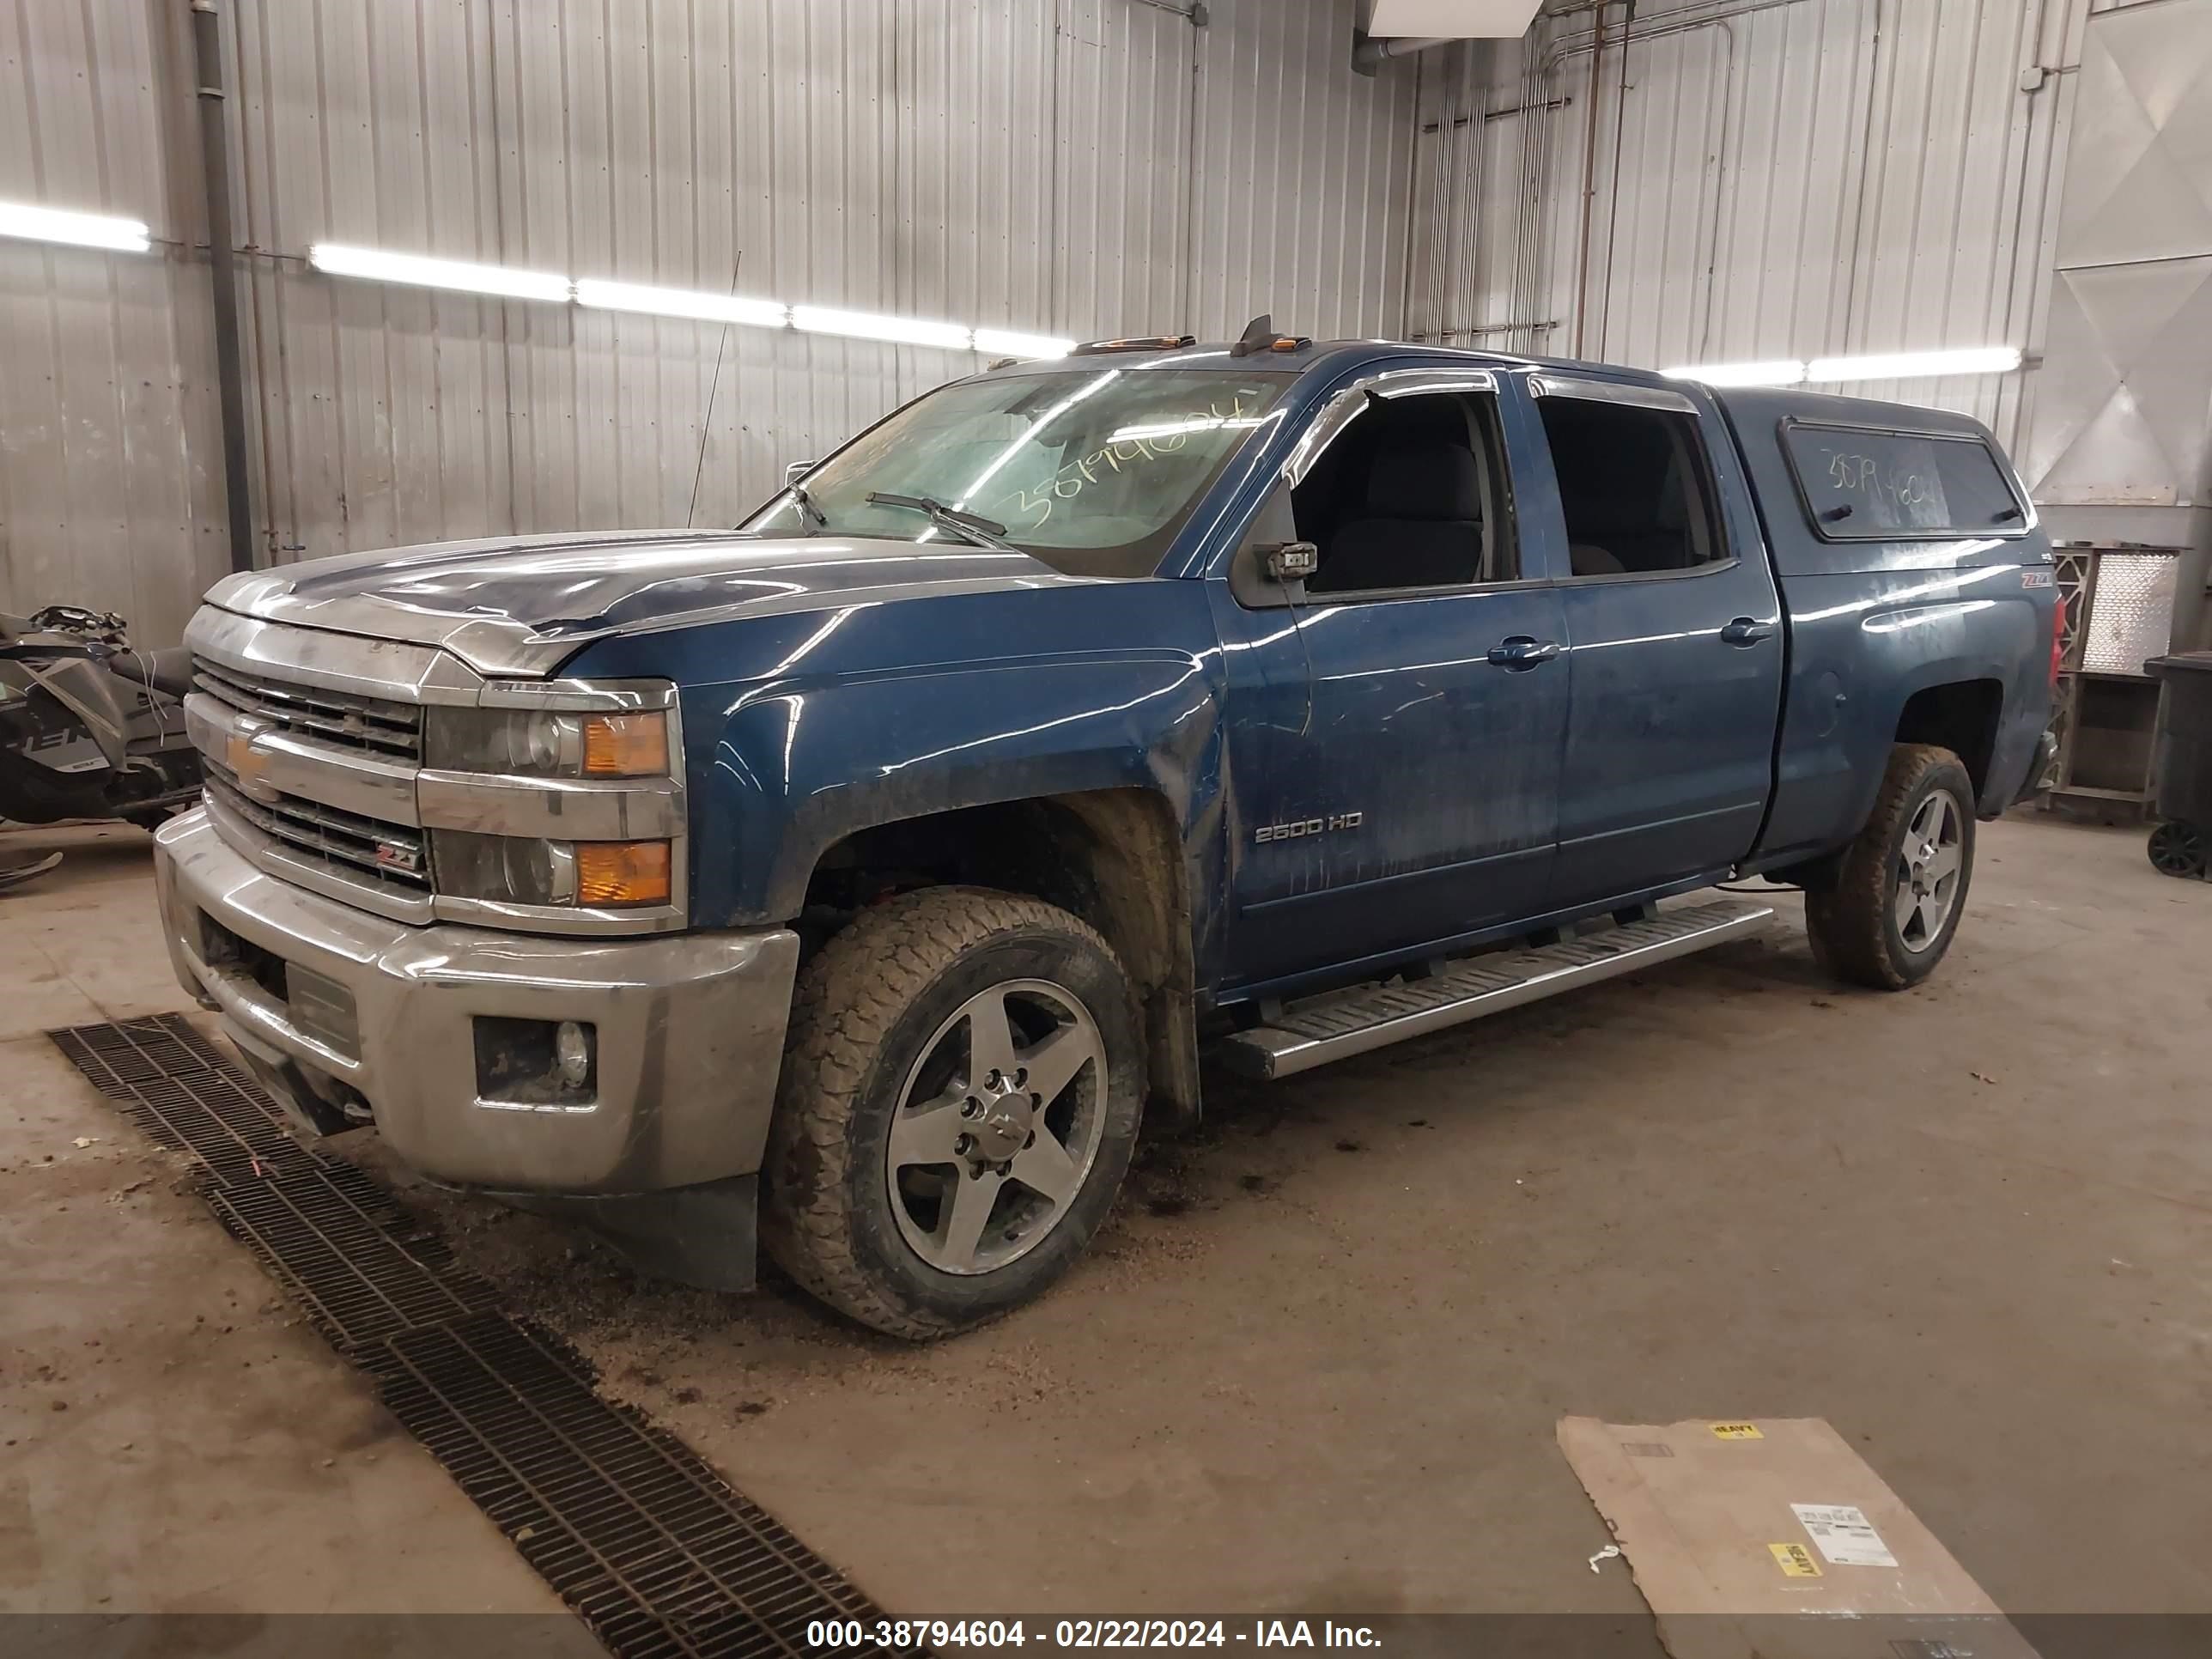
(998,1124)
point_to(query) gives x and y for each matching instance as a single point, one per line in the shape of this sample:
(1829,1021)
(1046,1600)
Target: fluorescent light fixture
(377,265)
(1784,371)
(681,302)
(865,325)
(1916,364)
(1129,435)
(1004,342)
(44,224)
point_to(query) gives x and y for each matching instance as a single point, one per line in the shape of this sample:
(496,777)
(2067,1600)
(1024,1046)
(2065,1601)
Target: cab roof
(1327,359)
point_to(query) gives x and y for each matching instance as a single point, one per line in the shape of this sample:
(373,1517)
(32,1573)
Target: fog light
(539,1064)
(572,1054)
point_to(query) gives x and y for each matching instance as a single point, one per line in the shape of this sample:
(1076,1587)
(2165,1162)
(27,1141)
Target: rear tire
(1901,891)
(899,1186)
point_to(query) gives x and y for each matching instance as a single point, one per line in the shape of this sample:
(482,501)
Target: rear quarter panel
(1873,622)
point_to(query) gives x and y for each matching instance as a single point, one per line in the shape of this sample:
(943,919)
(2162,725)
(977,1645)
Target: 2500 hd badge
(1304,827)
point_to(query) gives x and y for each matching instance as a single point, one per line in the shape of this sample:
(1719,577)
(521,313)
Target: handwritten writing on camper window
(1903,490)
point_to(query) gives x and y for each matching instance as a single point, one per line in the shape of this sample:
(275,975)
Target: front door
(1674,630)
(1397,729)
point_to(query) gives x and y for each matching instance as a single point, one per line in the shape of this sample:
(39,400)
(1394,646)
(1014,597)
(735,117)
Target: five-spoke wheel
(959,1101)
(1894,902)
(998,1126)
(1928,867)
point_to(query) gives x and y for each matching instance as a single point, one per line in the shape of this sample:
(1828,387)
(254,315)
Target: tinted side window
(1410,495)
(1634,483)
(1861,485)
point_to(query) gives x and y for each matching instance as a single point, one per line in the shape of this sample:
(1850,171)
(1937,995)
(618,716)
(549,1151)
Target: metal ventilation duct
(1455,19)
(2121,448)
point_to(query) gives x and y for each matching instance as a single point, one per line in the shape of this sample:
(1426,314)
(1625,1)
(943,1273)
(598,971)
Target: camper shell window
(1859,484)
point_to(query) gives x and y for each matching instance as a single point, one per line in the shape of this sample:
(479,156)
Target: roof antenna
(1259,336)
(714,387)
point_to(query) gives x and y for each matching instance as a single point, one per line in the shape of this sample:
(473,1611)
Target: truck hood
(521,605)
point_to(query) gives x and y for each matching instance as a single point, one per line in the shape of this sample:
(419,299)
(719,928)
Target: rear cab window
(1863,485)
(1635,485)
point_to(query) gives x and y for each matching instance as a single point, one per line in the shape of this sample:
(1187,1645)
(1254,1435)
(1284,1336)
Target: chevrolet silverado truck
(857,882)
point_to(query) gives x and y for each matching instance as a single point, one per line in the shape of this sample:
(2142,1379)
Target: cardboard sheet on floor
(1774,1538)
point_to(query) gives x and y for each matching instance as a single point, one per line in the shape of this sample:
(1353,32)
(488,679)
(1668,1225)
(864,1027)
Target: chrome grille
(370,724)
(394,854)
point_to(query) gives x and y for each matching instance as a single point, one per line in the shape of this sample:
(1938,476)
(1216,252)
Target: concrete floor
(1315,1364)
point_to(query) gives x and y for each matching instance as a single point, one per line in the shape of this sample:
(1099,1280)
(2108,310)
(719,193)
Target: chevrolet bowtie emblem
(248,765)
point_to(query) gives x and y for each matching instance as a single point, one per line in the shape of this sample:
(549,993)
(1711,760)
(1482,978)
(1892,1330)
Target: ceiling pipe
(1369,52)
(223,268)
(1589,192)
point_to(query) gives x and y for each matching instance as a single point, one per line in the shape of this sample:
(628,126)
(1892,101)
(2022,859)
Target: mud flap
(704,1236)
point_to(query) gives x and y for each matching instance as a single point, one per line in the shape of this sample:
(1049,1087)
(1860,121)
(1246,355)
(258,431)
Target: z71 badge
(1304,827)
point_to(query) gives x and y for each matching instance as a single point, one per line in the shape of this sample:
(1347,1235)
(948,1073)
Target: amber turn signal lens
(625,745)
(619,872)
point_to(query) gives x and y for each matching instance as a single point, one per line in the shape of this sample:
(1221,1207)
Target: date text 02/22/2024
(853,1635)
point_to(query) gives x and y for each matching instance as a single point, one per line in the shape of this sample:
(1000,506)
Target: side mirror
(797,471)
(1290,561)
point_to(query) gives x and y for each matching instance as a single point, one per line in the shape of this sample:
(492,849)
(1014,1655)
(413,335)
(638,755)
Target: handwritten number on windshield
(1077,476)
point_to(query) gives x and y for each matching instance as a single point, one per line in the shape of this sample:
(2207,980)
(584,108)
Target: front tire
(962,1084)
(1898,898)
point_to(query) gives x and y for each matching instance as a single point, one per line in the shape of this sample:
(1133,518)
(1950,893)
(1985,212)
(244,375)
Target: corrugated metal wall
(111,468)
(1076,166)
(1767,179)
(1795,178)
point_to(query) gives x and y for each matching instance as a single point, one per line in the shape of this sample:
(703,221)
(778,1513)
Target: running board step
(1334,1028)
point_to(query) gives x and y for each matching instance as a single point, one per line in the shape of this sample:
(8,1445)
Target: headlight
(548,744)
(522,870)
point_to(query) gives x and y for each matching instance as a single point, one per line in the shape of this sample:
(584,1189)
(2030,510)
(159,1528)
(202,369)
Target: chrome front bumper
(689,1029)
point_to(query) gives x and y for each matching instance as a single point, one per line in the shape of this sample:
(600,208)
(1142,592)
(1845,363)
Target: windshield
(1091,473)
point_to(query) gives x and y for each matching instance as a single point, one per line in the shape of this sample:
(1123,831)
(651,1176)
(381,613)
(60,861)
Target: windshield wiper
(798,493)
(984,532)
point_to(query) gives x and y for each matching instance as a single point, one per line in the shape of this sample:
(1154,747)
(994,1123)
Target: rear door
(1675,646)
(1396,732)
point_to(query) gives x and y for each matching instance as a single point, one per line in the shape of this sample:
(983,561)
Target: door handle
(1746,630)
(1521,652)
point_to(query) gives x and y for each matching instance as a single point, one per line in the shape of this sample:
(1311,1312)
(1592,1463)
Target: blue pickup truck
(856,882)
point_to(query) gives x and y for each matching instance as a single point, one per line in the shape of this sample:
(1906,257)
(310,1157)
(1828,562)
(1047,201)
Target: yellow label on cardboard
(1795,1560)
(1736,1431)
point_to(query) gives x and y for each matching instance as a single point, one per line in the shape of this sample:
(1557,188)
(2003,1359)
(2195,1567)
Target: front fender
(793,766)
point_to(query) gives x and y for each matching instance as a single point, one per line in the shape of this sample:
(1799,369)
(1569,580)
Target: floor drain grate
(611,1512)
(332,1235)
(650,1548)
(170,1081)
